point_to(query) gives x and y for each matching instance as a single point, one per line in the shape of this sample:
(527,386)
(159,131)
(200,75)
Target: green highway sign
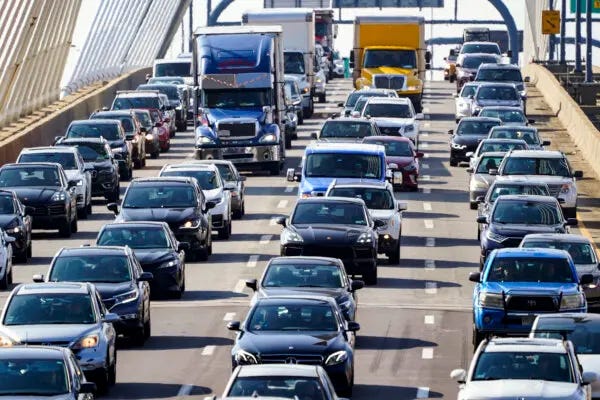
(595,7)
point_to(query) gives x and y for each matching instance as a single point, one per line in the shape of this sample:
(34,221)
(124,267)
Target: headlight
(495,237)
(135,139)
(269,138)
(243,357)
(458,146)
(412,88)
(204,140)
(13,227)
(306,90)
(59,196)
(319,80)
(217,200)
(364,238)
(491,300)
(288,236)
(126,297)
(479,185)
(305,195)
(168,264)
(345,305)
(336,358)
(565,188)
(191,224)
(6,341)
(86,342)
(572,301)
(149,136)
(119,149)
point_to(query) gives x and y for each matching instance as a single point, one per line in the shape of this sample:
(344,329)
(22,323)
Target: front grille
(390,130)
(532,303)
(306,359)
(244,129)
(343,252)
(55,209)
(389,81)
(236,156)
(554,190)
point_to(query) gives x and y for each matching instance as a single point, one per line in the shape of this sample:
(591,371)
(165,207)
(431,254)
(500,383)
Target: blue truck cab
(239,80)
(323,162)
(517,284)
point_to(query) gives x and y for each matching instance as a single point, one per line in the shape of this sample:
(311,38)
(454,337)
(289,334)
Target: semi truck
(325,32)
(389,52)
(239,87)
(298,44)
(476,34)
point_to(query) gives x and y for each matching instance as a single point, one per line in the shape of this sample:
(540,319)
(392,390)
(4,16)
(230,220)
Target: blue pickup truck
(239,82)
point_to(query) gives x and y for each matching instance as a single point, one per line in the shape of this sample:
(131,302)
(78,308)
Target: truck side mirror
(427,56)
(452,52)
(351,59)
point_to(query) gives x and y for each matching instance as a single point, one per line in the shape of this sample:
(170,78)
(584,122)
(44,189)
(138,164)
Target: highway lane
(416,323)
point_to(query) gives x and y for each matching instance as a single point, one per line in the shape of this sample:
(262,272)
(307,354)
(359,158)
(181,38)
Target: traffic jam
(245,90)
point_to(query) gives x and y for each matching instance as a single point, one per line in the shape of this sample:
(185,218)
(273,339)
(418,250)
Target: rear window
(475,127)
(92,130)
(67,160)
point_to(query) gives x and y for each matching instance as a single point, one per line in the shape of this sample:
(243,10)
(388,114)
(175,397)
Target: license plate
(233,150)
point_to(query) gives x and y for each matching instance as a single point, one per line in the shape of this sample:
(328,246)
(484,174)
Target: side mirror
(341,104)
(469,154)
(588,377)
(111,317)
(586,279)
(183,246)
(479,199)
(355,114)
(493,171)
(290,175)
(146,277)
(470,170)
(29,210)
(427,56)
(38,278)
(482,220)
(105,108)
(281,221)
(158,124)
(561,200)
(578,174)
(402,205)
(419,154)
(252,284)
(459,375)
(419,116)
(531,121)
(313,135)
(234,326)
(356,285)
(445,58)
(114,207)
(117,156)
(546,143)
(509,53)
(57,138)
(450,131)
(353,326)
(475,277)
(527,79)
(87,388)
(378,223)
(210,205)
(452,52)
(571,222)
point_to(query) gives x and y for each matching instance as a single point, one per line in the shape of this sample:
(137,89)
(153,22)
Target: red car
(402,158)
(164,135)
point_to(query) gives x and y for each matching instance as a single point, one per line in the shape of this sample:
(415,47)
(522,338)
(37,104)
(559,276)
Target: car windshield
(91,268)
(536,166)
(474,62)
(160,195)
(468,90)
(126,123)
(278,386)
(343,165)
(527,212)
(530,136)
(504,115)
(475,127)
(166,79)
(489,146)
(303,275)
(499,75)
(67,160)
(584,333)
(374,198)
(207,179)
(329,212)
(127,102)
(390,58)
(93,152)
(488,162)
(7,205)
(226,172)
(494,365)
(33,377)
(345,129)
(91,130)
(145,119)
(382,110)
(50,309)
(490,48)
(171,91)
(395,148)
(302,317)
(138,237)
(497,93)
(173,69)
(530,269)
(581,253)
(502,189)
(293,63)
(236,98)
(360,104)
(29,176)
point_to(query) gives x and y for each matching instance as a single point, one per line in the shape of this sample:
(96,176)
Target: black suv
(45,188)
(100,161)
(16,221)
(134,132)
(469,132)
(337,227)
(179,202)
(173,93)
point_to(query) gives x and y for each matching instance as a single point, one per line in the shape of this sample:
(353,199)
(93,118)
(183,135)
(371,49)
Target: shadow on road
(144,390)
(390,343)
(389,392)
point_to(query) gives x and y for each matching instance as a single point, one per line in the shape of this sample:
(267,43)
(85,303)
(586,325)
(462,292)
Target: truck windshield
(294,63)
(173,69)
(476,36)
(343,165)
(499,75)
(236,98)
(390,58)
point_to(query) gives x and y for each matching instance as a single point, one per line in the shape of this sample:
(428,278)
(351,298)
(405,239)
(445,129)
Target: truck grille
(554,190)
(389,81)
(532,303)
(236,130)
(307,359)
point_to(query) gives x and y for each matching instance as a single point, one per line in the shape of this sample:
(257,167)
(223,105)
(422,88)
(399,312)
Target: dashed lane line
(427,353)
(425,178)
(428,223)
(273,221)
(429,265)
(430,242)
(229,316)
(282,204)
(422,392)
(185,390)
(427,206)
(424,145)
(426,190)
(265,239)
(289,189)
(425,166)
(239,287)
(429,320)
(430,287)
(208,350)
(252,261)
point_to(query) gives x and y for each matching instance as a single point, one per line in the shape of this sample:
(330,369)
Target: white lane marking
(273,221)
(425,166)
(252,261)
(426,206)
(425,177)
(239,287)
(427,125)
(427,353)
(430,265)
(422,392)
(265,239)
(185,390)
(426,155)
(426,110)
(424,134)
(424,145)
(208,350)
(427,116)
(282,204)
(429,320)
(430,242)
(430,287)
(428,223)
(426,190)
(289,189)
(229,316)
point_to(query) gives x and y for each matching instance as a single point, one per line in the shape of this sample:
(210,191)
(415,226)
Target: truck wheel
(453,162)
(301,118)
(308,112)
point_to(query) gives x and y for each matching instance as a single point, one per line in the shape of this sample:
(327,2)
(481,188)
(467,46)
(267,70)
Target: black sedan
(15,221)
(156,249)
(179,202)
(469,132)
(45,188)
(308,275)
(338,227)
(119,279)
(298,330)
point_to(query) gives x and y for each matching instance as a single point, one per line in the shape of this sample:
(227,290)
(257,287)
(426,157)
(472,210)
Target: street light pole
(578,36)
(588,42)
(563,18)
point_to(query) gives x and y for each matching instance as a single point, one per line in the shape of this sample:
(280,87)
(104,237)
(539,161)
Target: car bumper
(463,112)
(386,243)
(319,89)
(405,179)
(499,321)
(236,202)
(475,193)
(104,186)
(242,155)
(92,362)
(81,195)
(356,259)
(340,375)
(165,280)
(48,221)
(460,154)
(191,236)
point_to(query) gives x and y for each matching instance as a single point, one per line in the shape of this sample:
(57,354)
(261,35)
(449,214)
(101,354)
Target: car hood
(116,143)
(329,233)
(519,389)
(289,342)
(485,178)
(34,195)
(66,396)
(153,256)
(217,114)
(383,215)
(108,290)
(518,230)
(51,333)
(400,161)
(548,179)
(168,215)
(6,219)
(213,194)
(532,288)
(393,122)
(73,174)
(468,140)
(102,164)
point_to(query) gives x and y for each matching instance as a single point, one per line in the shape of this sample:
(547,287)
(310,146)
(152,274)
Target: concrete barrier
(582,131)
(43,131)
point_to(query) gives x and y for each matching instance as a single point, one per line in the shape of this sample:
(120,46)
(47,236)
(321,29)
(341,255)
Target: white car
(464,100)
(523,368)
(321,86)
(212,185)
(394,117)
(488,145)
(74,166)
(481,180)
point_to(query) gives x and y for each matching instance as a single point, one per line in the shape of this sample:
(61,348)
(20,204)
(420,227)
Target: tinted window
(171,79)
(293,318)
(329,213)
(468,90)
(390,58)
(125,103)
(526,212)
(375,199)
(29,176)
(525,269)
(488,162)
(278,386)
(206,179)
(140,237)
(504,115)
(395,148)
(581,253)
(51,308)
(161,195)
(530,136)
(343,165)
(173,69)
(343,129)
(67,160)
(521,365)
(501,189)
(226,172)
(235,98)
(585,333)
(303,275)
(497,93)
(91,130)
(7,205)
(31,377)
(388,110)
(495,146)
(91,268)
(499,75)
(293,63)
(126,122)
(474,62)
(475,127)
(171,91)
(480,48)
(93,152)
(536,166)
(145,119)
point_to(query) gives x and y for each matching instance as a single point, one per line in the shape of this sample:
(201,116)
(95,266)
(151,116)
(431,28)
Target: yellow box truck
(389,52)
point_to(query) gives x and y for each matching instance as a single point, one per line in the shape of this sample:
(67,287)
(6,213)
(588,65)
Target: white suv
(523,368)
(74,166)
(394,117)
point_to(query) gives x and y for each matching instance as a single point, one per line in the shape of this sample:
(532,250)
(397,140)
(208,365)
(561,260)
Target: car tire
(102,381)
(394,256)
(453,162)
(202,254)
(301,118)
(274,169)
(137,163)
(10,277)
(139,337)
(113,197)
(481,263)
(30,249)
(75,224)
(237,214)
(308,112)
(83,213)
(155,154)
(370,276)
(225,232)
(112,371)
(570,212)
(322,98)
(4,282)
(288,140)
(148,328)
(66,229)
(21,256)
(478,233)
(473,205)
